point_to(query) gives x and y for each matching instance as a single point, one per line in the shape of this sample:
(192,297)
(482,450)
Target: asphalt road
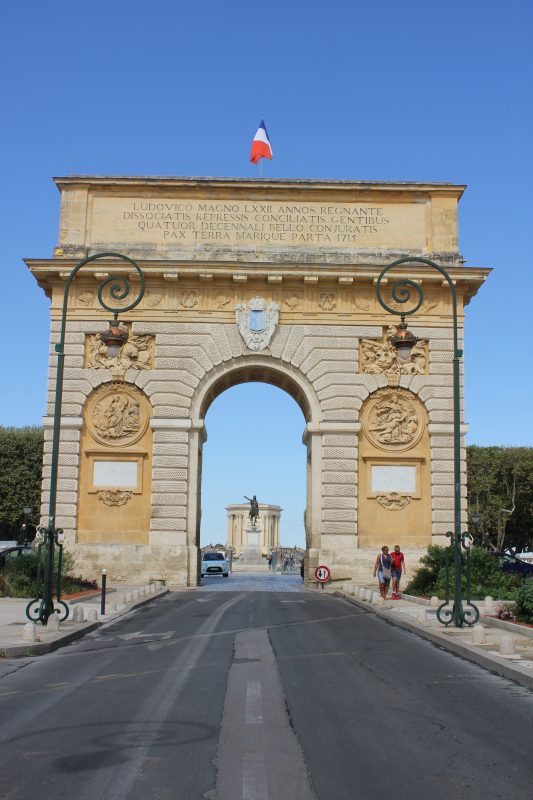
(233,693)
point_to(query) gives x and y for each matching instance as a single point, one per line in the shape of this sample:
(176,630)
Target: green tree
(21,458)
(500,490)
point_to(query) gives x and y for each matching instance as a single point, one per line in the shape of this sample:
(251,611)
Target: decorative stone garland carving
(393,501)
(117,414)
(378,356)
(391,420)
(136,353)
(114,497)
(257,323)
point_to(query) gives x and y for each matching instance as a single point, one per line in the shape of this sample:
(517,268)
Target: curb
(41,648)
(492,663)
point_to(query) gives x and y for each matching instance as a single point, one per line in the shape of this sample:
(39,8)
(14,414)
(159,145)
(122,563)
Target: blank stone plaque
(115,473)
(393,479)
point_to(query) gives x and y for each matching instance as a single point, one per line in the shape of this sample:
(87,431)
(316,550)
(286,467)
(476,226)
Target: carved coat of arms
(257,323)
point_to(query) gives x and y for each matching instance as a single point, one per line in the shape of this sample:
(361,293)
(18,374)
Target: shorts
(396,573)
(382,578)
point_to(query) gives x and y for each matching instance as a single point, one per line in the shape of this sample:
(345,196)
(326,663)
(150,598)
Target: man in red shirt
(397,567)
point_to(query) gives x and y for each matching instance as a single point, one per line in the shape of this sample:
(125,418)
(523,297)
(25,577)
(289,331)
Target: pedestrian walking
(383,567)
(398,567)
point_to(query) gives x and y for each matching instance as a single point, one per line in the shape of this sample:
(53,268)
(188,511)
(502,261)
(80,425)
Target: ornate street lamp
(119,288)
(404,290)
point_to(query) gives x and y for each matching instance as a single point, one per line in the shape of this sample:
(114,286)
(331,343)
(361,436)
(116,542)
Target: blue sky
(349,90)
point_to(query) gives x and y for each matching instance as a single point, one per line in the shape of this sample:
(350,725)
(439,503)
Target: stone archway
(254,280)
(263,369)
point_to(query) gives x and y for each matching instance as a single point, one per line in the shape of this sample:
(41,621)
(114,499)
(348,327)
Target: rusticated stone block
(339,515)
(338,502)
(340,465)
(338,478)
(339,452)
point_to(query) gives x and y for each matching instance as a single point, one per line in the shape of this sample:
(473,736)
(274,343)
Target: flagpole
(260,167)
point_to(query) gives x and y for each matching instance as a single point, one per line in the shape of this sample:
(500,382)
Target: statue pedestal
(251,553)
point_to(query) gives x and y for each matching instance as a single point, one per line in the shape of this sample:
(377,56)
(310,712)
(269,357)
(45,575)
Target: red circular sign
(322,574)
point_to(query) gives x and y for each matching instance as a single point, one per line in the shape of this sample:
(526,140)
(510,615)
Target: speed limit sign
(322,574)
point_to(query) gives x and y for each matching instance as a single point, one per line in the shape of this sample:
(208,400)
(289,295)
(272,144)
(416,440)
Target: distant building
(268,523)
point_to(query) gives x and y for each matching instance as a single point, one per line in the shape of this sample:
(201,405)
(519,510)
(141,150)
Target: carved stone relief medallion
(222,299)
(391,420)
(86,297)
(117,414)
(153,298)
(257,322)
(188,299)
(327,301)
(293,300)
(361,300)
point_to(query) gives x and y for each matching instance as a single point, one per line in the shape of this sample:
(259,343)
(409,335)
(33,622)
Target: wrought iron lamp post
(119,288)
(406,290)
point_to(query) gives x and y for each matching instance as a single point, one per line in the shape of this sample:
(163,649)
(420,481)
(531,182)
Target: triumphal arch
(252,280)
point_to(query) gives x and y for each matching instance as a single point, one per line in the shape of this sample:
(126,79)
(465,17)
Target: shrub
(524,601)
(486,577)
(507,613)
(19,576)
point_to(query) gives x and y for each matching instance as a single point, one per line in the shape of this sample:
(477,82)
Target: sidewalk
(501,647)
(84,617)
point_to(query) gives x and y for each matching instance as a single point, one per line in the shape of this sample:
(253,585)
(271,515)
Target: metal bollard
(102,600)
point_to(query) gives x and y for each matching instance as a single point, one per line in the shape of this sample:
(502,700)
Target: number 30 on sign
(322,574)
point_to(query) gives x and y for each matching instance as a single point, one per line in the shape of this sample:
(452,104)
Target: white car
(214,564)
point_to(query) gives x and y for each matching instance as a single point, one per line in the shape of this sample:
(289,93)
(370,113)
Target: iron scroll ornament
(468,616)
(118,285)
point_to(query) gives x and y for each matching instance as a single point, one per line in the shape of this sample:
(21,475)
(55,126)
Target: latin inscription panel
(173,223)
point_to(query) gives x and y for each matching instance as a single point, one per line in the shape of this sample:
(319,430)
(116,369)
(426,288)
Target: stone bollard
(129,597)
(92,615)
(421,616)
(374,596)
(158,586)
(29,634)
(434,602)
(52,626)
(507,645)
(478,634)
(77,614)
(142,591)
(379,601)
(111,608)
(362,593)
(152,588)
(489,605)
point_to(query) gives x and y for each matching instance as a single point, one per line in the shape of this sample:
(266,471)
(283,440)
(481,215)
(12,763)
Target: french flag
(261,145)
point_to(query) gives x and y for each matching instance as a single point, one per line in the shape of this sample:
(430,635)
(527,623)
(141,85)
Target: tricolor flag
(261,145)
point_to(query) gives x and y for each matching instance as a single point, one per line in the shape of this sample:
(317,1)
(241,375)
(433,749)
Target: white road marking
(253,708)
(254,777)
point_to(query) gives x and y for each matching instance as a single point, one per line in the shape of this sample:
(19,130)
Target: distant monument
(254,509)
(253,526)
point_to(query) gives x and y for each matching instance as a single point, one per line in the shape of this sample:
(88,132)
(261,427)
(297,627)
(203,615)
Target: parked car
(214,564)
(510,563)
(13,552)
